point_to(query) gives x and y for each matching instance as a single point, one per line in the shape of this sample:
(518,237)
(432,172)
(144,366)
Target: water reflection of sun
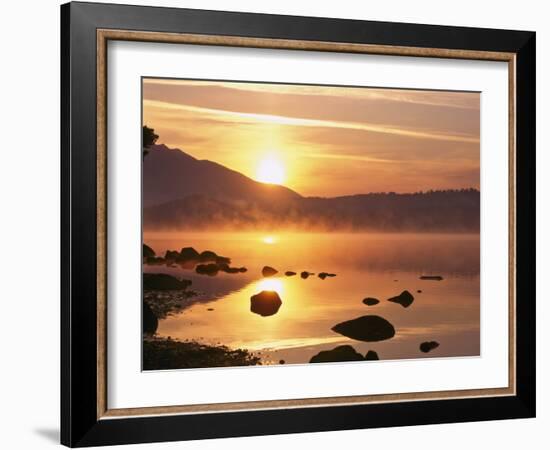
(269,239)
(271,284)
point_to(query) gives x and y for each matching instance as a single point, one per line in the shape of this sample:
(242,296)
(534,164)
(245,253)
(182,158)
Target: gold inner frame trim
(103,36)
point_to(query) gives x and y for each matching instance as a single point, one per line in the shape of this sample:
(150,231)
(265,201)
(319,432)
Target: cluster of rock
(269,271)
(204,263)
(212,269)
(162,294)
(367,329)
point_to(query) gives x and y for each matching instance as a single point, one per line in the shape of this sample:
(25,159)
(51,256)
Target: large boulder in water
(163,282)
(268,271)
(366,328)
(341,353)
(148,252)
(266,303)
(150,321)
(405,299)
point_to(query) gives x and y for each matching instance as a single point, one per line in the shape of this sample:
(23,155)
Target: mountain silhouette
(171,174)
(181,192)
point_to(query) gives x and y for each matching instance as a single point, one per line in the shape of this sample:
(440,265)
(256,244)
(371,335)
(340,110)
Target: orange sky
(322,140)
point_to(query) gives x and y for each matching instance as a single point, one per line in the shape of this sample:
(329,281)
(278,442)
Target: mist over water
(366,265)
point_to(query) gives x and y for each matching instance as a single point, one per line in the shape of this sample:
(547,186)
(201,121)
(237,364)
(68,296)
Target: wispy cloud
(239,117)
(449,99)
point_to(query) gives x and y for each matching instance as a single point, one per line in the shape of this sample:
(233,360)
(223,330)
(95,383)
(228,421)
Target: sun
(270,170)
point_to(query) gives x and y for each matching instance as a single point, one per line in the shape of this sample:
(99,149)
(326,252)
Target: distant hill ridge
(181,192)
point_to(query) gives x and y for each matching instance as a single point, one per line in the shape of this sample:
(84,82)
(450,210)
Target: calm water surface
(367,265)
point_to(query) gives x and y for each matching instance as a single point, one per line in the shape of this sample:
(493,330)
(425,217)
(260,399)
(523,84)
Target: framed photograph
(276,224)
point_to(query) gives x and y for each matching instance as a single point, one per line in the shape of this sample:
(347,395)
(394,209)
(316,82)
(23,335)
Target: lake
(366,265)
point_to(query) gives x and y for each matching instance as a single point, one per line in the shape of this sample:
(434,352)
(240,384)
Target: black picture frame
(80,425)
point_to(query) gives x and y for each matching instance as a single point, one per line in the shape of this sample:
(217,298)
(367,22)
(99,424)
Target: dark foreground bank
(164,354)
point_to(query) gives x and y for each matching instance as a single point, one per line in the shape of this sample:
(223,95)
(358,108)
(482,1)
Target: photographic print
(298,224)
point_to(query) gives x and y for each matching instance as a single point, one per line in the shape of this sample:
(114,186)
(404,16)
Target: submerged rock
(405,299)
(150,321)
(289,273)
(268,271)
(366,328)
(426,347)
(431,277)
(148,251)
(265,303)
(163,282)
(371,356)
(207,269)
(370,301)
(341,353)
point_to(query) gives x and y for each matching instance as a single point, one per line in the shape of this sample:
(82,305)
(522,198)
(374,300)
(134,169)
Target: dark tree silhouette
(149,138)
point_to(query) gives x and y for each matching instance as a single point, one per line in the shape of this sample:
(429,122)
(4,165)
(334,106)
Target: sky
(322,140)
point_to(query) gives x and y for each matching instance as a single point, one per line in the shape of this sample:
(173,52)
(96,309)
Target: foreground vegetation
(163,354)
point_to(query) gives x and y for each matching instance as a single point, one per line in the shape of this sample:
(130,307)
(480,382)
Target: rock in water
(370,301)
(323,275)
(266,303)
(405,299)
(305,274)
(269,271)
(371,356)
(148,252)
(163,282)
(426,347)
(171,255)
(227,269)
(289,273)
(207,269)
(431,277)
(150,321)
(366,328)
(208,256)
(188,254)
(341,353)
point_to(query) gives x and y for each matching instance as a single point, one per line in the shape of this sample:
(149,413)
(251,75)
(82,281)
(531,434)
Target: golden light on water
(270,284)
(270,170)
(269,239)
